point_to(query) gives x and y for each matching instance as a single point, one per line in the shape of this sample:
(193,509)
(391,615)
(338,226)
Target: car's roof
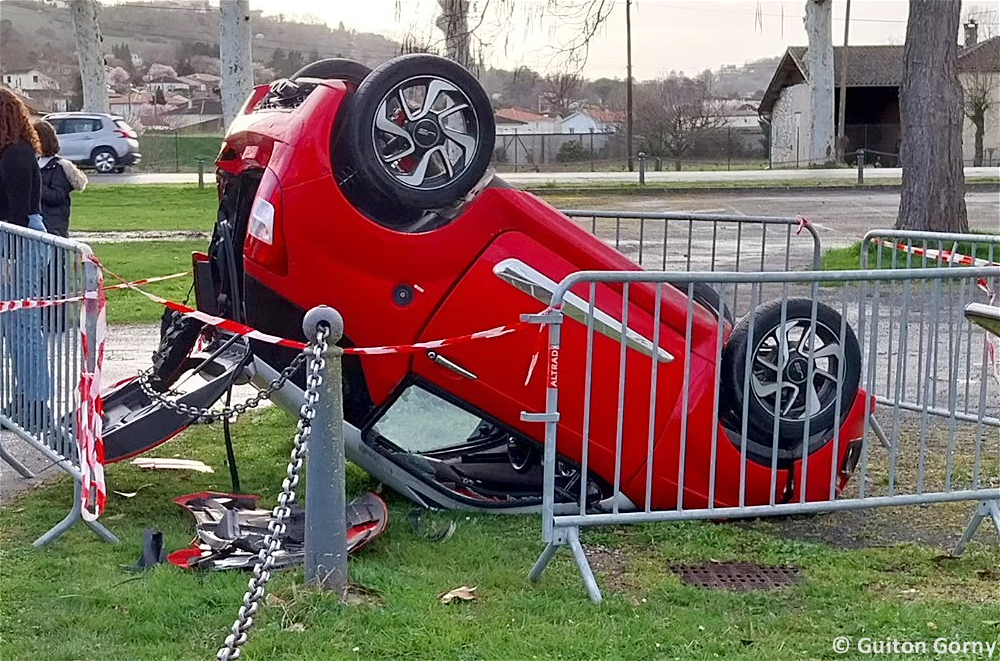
(81,113)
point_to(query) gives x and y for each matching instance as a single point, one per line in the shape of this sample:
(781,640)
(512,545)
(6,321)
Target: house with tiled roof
(979,74)
(519,120)
(592,120)
(874,74)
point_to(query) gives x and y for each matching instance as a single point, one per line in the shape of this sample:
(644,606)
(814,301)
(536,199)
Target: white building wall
(788,143)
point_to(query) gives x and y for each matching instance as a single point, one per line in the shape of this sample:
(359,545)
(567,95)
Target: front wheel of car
(104,160)
(420,132)
(798,370)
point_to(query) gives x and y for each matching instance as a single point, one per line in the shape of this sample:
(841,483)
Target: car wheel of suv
(104,159)
(780,357)
(339,68)
(420,132)
(705,295)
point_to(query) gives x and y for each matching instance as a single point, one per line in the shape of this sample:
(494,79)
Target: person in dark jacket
(22,264)
(59,178)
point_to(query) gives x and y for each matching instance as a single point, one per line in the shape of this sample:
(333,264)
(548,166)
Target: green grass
(166,152)
(142,259)
(146,207)
(849,258)
(72,600)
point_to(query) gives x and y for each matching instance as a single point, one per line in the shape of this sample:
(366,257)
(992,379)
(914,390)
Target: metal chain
(207,415)
(276,527)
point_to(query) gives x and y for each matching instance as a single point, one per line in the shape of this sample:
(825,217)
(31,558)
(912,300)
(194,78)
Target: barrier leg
(879,432)
(74,515)
(543,561)
(581,561)
(15,464)
(990,508)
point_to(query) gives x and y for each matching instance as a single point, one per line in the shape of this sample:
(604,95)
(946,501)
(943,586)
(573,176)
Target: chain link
(206,415)
(276,527)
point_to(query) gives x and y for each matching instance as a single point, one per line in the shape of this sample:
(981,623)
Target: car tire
(706,295)
(178,335)
(420,156)
(338,68)
(104,160)
(836,366)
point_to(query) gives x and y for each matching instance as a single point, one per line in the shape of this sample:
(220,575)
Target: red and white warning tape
(254,334)
(33,303)
(90,408)
(947,256)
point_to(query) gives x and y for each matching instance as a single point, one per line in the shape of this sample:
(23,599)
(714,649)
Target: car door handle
(447,364)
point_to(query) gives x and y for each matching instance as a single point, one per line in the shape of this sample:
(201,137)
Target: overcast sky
(682,35)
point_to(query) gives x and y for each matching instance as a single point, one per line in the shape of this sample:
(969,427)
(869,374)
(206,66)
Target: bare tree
(560,90)
(979,101)
(819,28)
(454,23)
(674,115)
(88,50)
(522,88)
(930,109)
(236,67)
(980,81)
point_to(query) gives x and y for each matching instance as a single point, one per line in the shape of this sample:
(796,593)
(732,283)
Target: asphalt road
(522,179)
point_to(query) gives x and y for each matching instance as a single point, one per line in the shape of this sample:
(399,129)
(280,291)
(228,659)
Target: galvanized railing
(680,241)
(42,352)
(772,416)
(928,364)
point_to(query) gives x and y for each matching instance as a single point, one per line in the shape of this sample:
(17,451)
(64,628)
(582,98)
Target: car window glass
(420,421)
(81,125)
(57,125)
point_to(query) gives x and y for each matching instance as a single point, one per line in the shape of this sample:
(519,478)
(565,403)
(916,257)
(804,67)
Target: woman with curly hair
(22,262)
(20,182)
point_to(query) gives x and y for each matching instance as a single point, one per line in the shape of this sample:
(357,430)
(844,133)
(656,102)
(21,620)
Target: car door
(77,139)
(516,275)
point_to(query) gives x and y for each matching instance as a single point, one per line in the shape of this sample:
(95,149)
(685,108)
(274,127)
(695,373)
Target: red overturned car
(370,191)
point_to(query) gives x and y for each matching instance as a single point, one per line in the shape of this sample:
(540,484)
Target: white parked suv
(104,142)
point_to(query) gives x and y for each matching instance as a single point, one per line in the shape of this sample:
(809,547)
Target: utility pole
(236,67)
(842,110)
(628,82)
(88,47)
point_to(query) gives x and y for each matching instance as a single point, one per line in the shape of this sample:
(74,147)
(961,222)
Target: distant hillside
(745,81)
(43,32)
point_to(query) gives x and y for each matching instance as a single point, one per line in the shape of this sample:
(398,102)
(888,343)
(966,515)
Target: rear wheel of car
(338,68)
(781,359)
(178,335)
(705,295)
(419,133)
(104,160)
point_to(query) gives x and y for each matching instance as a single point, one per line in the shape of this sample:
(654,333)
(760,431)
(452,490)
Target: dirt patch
(611,567)
(141,235)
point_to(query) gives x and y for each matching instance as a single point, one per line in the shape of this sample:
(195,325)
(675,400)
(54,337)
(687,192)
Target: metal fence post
(642,168)
(861,166)
(201,172)
(326,500)
(177,151)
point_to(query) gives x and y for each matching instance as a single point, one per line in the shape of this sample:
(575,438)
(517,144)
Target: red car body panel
(326,251)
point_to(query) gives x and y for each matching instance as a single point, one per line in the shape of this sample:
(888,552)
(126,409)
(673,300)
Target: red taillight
(265,242)
(127,134)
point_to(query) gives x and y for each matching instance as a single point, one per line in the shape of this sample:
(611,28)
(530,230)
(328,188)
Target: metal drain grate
(738,576)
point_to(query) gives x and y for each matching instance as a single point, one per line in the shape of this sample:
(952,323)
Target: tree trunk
(88,50)
(930,109)
(677,165)
(454,22)
(819,60)
(979,121)
(236,67)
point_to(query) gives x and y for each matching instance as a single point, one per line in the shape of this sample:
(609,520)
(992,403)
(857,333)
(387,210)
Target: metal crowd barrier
(42,353)
(705,242)
(948,392)
(649,418)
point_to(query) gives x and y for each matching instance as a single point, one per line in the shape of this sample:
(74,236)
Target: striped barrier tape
(948,256)
(90,408)
(37,303)
(254,334)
